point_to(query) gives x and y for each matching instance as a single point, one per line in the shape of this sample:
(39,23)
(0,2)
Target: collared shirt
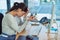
(10,25)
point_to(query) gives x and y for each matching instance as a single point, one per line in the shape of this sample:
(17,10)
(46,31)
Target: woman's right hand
(31,18)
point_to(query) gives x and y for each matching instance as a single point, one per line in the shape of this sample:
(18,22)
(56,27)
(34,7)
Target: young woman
(9,24)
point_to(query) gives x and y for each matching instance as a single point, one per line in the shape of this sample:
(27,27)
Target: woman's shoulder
(8,16)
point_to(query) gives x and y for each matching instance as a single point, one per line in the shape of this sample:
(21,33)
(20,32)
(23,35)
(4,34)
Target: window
(3,6)
(43,6)
(33,5)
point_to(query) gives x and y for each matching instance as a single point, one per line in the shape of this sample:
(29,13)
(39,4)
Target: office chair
(1,17)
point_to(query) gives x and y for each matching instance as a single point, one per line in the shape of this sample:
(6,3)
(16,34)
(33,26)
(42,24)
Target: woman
(9,24)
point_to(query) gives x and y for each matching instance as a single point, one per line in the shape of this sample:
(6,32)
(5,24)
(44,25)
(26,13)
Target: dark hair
(19,5)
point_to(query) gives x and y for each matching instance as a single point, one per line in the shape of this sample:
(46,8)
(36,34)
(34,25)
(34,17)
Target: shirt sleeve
(13,24)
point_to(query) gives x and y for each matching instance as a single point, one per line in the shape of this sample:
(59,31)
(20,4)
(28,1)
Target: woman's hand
(23,33)
(31,18)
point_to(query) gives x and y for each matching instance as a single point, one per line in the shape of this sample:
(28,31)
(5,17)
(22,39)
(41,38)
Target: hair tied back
(16,4)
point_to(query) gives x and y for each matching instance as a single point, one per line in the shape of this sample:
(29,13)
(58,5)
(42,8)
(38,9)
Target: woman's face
(20,13)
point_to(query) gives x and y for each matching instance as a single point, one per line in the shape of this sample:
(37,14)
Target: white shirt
(10,26)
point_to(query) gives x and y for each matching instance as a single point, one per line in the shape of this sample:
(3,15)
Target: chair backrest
(1,17)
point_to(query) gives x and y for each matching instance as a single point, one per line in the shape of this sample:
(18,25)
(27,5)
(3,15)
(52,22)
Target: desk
(31,30)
